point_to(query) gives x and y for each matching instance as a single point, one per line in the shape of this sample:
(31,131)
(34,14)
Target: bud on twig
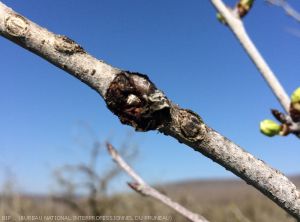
(240,10)
(221,18)
(295,105)
(281,117)
(295,98)
(269,128)
(243,7)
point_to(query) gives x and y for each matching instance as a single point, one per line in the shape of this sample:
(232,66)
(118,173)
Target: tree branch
(137,102)
(237,27)
(289,10)
(143,188)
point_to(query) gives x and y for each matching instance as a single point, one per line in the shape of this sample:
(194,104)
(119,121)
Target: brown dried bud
(295,112)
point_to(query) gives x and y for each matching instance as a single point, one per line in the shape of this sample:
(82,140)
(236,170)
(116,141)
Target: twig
(239,214)
(237,27)
(140,186)
(292,127)
(289,10)
(137,102)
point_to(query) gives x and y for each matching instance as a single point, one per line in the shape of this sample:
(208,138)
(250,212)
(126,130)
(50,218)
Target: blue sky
(194,59)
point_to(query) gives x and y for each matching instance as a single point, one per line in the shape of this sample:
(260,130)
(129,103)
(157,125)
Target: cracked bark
(137,102)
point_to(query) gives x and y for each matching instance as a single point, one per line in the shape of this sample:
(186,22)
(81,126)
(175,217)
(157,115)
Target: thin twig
(143,188)
(239,214)
(289,10)
(237,27)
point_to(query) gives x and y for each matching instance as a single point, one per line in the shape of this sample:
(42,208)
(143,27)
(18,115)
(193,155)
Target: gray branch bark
(289,10)
(137,102)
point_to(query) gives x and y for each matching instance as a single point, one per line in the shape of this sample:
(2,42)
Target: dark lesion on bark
(137,101)
(191,125)
(186,126)
(66,45)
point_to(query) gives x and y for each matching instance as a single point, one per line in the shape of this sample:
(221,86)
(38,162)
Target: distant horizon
(124,190)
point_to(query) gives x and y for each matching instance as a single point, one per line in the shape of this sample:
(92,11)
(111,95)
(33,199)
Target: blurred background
(53,127)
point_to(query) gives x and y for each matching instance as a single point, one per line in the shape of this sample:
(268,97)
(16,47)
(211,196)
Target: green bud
(221,19)
(269,128)
(243,7)
(247,3)
(295,97)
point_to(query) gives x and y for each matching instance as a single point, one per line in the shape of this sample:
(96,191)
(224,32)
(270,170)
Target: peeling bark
(137,102)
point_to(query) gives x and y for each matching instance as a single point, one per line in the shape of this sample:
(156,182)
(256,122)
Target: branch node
(243,7)
(192,126)
(66,45)
(137,101)
(16,25)
(281,117)
(136,187)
